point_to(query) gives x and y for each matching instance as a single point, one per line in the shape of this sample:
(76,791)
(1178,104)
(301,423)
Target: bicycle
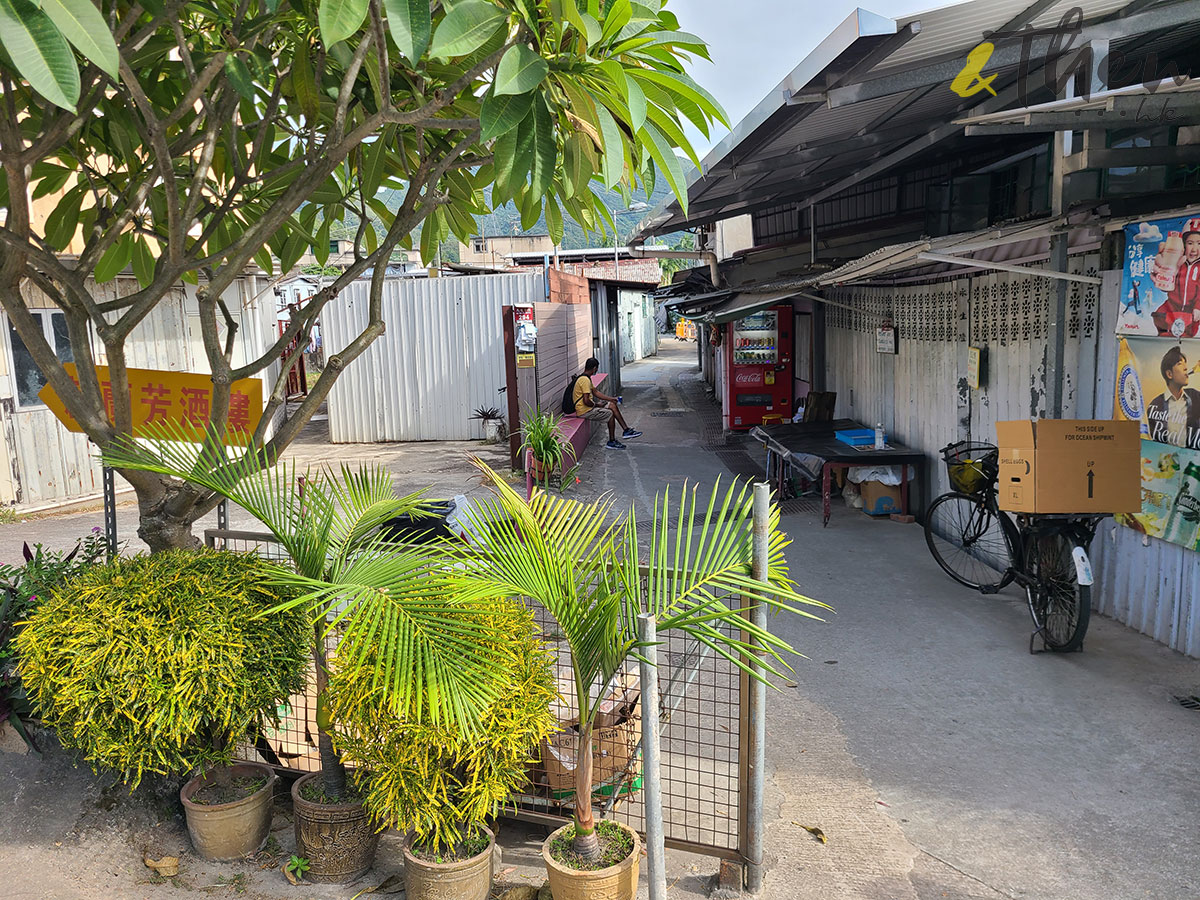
(981,547)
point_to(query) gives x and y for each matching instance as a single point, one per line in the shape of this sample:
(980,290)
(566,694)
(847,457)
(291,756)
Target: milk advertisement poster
(1160,284)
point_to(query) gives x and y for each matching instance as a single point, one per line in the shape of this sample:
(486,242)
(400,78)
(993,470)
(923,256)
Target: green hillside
(507,220)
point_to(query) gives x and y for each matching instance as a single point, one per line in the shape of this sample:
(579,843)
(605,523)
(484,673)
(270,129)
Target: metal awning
(690,305)
(1177,103)
(745,304)
(876,93)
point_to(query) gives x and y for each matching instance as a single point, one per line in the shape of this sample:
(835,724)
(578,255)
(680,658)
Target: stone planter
(617,882)
(230,830)
(337,839)
(467,879)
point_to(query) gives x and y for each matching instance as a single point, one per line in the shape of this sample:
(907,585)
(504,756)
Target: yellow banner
(182,398)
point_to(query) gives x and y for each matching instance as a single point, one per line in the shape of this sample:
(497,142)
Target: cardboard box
(612,753)
(879,499)
(1070,466)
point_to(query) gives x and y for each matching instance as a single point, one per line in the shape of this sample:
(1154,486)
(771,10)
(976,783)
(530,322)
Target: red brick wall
(566,288)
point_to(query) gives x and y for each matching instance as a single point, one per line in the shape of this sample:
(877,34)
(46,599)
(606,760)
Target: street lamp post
(636,206)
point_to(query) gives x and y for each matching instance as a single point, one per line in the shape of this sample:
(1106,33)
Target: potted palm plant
(545,443)
(586,569)
(161,664)
(389,605)
(437,781)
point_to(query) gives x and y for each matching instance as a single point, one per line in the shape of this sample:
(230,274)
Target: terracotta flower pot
(466,879)
(337,839)
(618,882)
(230,830)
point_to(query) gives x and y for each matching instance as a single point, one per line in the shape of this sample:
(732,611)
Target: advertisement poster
(1160,284)
(1154,378)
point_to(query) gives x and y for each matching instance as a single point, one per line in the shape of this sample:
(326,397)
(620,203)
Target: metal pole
(223,515)
(758,700)
(656,861)
(110,512)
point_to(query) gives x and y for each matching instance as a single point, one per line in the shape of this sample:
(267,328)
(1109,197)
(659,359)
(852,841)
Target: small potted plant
(438,781)
(591,575)
(160,664)
(544,441)
(493,424)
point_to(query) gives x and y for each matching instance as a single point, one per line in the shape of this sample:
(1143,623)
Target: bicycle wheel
(970,542)
(1060,605)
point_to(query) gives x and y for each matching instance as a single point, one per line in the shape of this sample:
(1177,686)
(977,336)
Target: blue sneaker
(630,433)
(615,445)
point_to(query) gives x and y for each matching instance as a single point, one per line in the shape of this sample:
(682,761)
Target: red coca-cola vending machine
(758,366)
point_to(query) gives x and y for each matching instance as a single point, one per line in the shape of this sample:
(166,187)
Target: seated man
(598,407)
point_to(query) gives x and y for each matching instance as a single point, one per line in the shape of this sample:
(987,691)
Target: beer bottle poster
(1155,381)
(1160,284)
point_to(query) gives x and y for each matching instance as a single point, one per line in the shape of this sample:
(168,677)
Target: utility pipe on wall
(714,273)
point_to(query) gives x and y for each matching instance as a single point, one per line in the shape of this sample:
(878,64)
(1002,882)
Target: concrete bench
(576,431)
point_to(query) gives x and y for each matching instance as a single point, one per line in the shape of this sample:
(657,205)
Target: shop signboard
(975,366)
(1153,389)
(885,339)
(160,398)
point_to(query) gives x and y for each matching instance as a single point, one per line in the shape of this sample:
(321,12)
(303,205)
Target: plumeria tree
(187,141)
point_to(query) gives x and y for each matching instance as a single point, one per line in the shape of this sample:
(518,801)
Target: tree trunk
(333,772)
(586,843)
(162,532)
(160,525)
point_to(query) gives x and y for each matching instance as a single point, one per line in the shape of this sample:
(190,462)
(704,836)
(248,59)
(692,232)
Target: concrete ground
(938,756)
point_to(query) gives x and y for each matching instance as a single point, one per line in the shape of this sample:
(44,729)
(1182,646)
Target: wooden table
(786,444)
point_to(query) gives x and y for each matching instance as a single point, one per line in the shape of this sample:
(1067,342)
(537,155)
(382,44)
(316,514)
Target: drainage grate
(669,414)
(1190,702)
(739,463)
(800,506)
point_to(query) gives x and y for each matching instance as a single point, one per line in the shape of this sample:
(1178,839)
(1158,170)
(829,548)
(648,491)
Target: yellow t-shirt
(583,385)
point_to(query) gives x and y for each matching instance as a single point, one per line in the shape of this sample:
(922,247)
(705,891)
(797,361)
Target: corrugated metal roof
(890,96)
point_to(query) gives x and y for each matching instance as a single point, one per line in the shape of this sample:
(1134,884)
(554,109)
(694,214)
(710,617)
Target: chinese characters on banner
(1158,358)
(171,397)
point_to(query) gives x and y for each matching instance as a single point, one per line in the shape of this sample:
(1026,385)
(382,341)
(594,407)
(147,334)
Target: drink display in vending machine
(758,379)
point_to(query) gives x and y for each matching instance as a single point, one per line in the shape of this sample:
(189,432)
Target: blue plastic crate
(858,437)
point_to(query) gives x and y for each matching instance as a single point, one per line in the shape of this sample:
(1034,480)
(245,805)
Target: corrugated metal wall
(1148,584)
(921,396)
(639,331)
(47,463)
(441,357)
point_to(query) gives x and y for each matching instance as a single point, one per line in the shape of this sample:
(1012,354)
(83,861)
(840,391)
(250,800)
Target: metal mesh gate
(704,710)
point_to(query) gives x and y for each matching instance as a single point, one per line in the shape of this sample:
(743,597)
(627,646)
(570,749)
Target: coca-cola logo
(748,378)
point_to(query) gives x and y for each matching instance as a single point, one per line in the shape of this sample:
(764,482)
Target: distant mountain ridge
(507,220)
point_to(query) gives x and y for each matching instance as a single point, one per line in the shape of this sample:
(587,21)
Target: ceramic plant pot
(466,879)
(617,882)
(230,830)
(337,839)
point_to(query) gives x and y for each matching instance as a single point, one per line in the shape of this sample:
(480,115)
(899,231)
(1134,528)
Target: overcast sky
(756,43)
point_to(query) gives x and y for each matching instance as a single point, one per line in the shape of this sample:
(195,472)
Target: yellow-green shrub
(433,779)
(159,663)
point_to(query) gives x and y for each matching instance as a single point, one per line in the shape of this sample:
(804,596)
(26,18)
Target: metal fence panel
(441,357)
(704,702)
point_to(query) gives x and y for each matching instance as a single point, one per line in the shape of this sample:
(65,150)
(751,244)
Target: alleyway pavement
(938,756)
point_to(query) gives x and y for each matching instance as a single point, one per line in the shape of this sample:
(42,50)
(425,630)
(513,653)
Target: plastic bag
(889,475)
